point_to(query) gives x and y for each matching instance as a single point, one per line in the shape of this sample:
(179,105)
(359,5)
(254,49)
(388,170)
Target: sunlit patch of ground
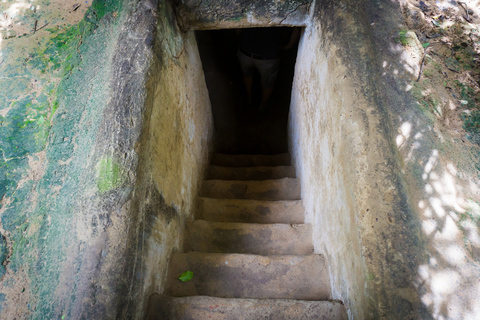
(23,18)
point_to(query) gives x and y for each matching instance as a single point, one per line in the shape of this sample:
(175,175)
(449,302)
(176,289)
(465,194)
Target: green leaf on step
(186,276)
(426,44)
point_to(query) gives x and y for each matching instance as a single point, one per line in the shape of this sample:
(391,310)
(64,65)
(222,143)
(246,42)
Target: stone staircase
(250,252)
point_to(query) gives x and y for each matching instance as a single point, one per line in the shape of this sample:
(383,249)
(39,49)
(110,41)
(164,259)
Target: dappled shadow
(448,281)
(436,117)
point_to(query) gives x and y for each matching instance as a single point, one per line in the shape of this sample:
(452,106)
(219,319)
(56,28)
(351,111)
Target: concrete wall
(325,141)
(177,142)
(352,187)
(388,168)
(204,15)
(99,126)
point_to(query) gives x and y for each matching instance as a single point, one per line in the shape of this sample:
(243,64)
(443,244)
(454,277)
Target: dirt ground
(447,40)
(442,38)
(22,18)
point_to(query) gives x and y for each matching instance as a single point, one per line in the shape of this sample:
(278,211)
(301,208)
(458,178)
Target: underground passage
(155,165)
(248,252)
(241,126)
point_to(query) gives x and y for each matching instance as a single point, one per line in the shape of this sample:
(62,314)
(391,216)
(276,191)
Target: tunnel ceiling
(221,14)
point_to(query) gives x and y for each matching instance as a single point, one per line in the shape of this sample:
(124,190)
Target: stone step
(204,307)
(279,189)
(250,173)
(262,239)
(249,276)
(252,211)
(250,160)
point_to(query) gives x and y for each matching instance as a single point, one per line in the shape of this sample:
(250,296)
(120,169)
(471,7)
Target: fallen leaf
(186,276)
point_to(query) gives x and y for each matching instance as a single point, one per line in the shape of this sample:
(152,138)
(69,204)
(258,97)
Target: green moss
(53,109)
(101,8)
(3,254)
(370,277)
(406,37)
(402,37)
(471,114)
(38,244)
(429,106)
(110,175)
(471,215)
(429,73)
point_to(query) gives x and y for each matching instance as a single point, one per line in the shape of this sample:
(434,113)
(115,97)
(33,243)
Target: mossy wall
(72,91)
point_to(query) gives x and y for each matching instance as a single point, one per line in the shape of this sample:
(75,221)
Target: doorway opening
(244,125)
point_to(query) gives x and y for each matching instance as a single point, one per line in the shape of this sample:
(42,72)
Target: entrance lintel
(220,14)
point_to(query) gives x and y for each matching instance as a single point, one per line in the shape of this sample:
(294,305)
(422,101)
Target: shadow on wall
(438,137)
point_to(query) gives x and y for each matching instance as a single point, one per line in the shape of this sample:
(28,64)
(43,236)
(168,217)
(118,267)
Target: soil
(448,34)
(22,18)
(447,90)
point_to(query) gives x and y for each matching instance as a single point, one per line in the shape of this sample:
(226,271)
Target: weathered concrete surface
(438,150)
(365,199)
(322,98)
(246,160)
(176,146)
(201,307)
(262,239)
(352,191)
(246,173)
(254,211)
(74,198)
(278,189)
(249,276)
(244,260)
(226,14)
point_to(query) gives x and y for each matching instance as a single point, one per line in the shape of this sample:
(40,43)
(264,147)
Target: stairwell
(249,249)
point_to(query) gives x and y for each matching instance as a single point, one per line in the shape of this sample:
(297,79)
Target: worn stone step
(252,211)
(250,173)
(279,189)
(249,276)
(263,239)
(250,160)
(204,307)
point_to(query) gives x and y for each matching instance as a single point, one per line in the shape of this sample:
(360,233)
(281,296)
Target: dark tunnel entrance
(241,127)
